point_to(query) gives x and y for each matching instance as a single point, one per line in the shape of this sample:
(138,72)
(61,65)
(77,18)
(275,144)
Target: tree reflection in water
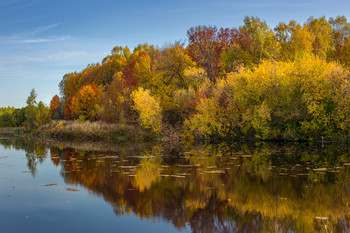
(213,188)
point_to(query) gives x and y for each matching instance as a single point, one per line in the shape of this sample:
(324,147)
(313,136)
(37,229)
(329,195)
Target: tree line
(290,82)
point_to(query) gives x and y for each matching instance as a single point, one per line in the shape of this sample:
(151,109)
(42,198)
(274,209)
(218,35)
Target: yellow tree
(295,40)
(148,108)
(85,103)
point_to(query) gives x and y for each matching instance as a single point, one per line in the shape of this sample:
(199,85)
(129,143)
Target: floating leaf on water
(188,165)
(127,167)
(26,172)
(215,172)
(72,189)
(176,176)
(48,185)
(3,157)
(182,174)
(68,202)
(322,169)
(322,218)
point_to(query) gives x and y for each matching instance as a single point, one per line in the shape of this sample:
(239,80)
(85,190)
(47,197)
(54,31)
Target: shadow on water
(211,188)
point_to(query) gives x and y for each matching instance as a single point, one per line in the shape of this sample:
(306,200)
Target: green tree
(19,116)
(31,110)
(43,115)
(6,120)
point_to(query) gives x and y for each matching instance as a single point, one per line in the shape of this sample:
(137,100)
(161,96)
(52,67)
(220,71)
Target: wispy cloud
(17,4)
(53,57)
(42,40)
(43,28)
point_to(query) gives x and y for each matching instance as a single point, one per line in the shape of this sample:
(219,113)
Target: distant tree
(55,107)
(42,116)
(19,116)
(6,120)
(31,110)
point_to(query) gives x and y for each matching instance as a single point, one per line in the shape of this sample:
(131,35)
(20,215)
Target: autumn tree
(322,36)
(70,84)
(262,38)
(55,107)
(68,113)
(85,103)
(341,39)
(114,102)
(43,115)
(149,109)
(205,48)
(295,40)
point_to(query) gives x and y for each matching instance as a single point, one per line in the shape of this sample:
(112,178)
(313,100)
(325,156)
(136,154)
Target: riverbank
(95,131)
(12,130)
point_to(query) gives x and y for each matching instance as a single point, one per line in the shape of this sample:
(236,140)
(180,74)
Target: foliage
(254,81)
(149,109)
(42,116)
(7,120)
(55,108)
(31,110)
(86,102)
(36,114)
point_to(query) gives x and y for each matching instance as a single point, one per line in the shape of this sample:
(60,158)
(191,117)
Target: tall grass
(93,131)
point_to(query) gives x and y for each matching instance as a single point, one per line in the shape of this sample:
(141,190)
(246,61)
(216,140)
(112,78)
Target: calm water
(94,187)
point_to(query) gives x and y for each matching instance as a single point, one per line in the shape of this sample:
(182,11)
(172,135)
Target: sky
(41,40)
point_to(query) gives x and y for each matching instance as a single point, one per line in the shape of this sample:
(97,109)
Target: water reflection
(212,188)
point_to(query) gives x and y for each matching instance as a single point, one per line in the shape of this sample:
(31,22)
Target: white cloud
(42,40)
(57,56)
(43,28)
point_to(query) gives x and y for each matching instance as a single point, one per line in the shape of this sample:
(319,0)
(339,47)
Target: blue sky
(41,40)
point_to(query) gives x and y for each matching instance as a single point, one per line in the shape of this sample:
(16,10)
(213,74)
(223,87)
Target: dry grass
(11,130)
(93,131)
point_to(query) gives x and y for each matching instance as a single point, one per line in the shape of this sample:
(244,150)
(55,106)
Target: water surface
(92,187)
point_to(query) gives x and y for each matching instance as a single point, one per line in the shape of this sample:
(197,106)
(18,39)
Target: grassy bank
(96,131)
(12,130)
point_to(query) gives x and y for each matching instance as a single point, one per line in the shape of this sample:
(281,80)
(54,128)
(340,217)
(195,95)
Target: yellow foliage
(148,108)
(85,103)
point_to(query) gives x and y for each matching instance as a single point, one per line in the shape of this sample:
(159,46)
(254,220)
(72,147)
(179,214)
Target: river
(98,187)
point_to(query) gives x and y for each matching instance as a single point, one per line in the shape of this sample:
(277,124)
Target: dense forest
(290,82)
